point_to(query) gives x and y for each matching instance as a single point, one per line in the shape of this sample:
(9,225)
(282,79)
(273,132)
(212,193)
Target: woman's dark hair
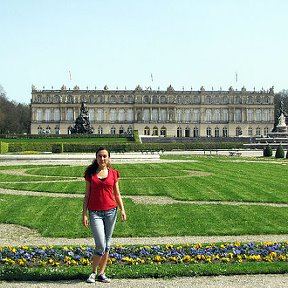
(92,168)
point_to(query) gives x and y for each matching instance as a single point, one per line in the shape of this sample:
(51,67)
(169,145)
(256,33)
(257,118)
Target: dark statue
(82,123)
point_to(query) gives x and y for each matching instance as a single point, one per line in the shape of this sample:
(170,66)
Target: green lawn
(222,179)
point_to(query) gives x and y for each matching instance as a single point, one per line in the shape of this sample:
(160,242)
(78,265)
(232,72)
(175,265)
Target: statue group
(82,123)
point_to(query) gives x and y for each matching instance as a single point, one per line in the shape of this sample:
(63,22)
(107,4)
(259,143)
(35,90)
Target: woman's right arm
(85,205)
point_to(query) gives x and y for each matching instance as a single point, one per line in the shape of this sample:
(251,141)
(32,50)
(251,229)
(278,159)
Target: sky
(153,43)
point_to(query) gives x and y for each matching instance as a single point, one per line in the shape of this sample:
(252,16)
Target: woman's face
(102,158)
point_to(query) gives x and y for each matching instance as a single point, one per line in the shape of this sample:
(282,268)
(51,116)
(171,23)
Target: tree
(279,152)
(14,117)
(267,152)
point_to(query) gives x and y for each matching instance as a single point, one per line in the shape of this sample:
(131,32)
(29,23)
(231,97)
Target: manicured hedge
(3,147)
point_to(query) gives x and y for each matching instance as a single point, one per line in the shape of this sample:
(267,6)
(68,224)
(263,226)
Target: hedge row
(124,147)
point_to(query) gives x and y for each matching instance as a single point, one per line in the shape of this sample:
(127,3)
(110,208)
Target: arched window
(163,99)
(146,115)
(196,116)
(146,131)
(155,131)
(208,100)
(69,115)
(130,130)
(56,114)
(163,115)
(113,115)
(258,131)
(208,132)
(163,131)
(216,116)
(179,132)
(91,115)
(208,116)
(121,115)
(225,115)
(238,131)
(113,130)
(100,115)
(250,115)
(47,115)
(258,115)
(187,115)
(196,132)
(250,131)
(130,115)
(146,99)
(113,99)
(238,115)
(155,115)
(179,116)
(121,130)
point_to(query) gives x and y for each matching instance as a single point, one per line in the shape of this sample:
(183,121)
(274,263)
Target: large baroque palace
(167,113)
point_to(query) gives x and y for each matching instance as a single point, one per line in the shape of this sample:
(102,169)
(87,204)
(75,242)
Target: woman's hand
(123,216)
(85,220)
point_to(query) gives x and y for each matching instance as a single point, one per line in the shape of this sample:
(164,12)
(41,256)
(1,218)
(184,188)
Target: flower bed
(24,256)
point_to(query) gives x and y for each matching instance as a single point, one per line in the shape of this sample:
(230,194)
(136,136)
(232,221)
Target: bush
(267,152)
(4,147)
(279,152)
(57,148)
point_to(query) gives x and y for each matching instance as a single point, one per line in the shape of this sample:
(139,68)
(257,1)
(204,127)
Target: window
(113,131)
(238,131)
(163,131)
(121,99)
(266,131)
(208,116)
(238,116)
(47,115)
(258,131)
(217,116)
(208,100)
(130,115)
(250,132)
(187,132)
(146,115)
(146,131)
(225,132)
(225,115)
(121,115)
(155,115)
(187,115)
(208,132)
(179,116)
(56,114)
(155,131)
(196,132)
(217,132)
(121,130)
(112,115)
(196,116)
(179,132)
(113,99)
(91,114)
(69,115)
(39,115)
(100,115)
(146,99)
(258,115)
(100,130)
(130,130)
(250,115)
(266,115)
(163,115)
(163,99)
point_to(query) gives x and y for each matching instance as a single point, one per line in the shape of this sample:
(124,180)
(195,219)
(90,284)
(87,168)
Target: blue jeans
(102,224)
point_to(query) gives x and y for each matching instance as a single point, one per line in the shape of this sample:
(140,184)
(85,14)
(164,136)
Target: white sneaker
(91,278)
(102,278)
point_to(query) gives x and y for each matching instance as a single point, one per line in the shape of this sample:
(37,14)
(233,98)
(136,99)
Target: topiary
(279,152)
(267,152)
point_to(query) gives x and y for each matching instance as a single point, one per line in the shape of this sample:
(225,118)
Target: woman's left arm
(119,201)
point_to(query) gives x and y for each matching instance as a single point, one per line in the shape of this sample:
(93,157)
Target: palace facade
(167,113)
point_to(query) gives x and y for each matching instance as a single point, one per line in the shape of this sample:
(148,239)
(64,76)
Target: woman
(102,197)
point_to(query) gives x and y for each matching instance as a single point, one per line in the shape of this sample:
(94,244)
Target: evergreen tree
(279,152)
